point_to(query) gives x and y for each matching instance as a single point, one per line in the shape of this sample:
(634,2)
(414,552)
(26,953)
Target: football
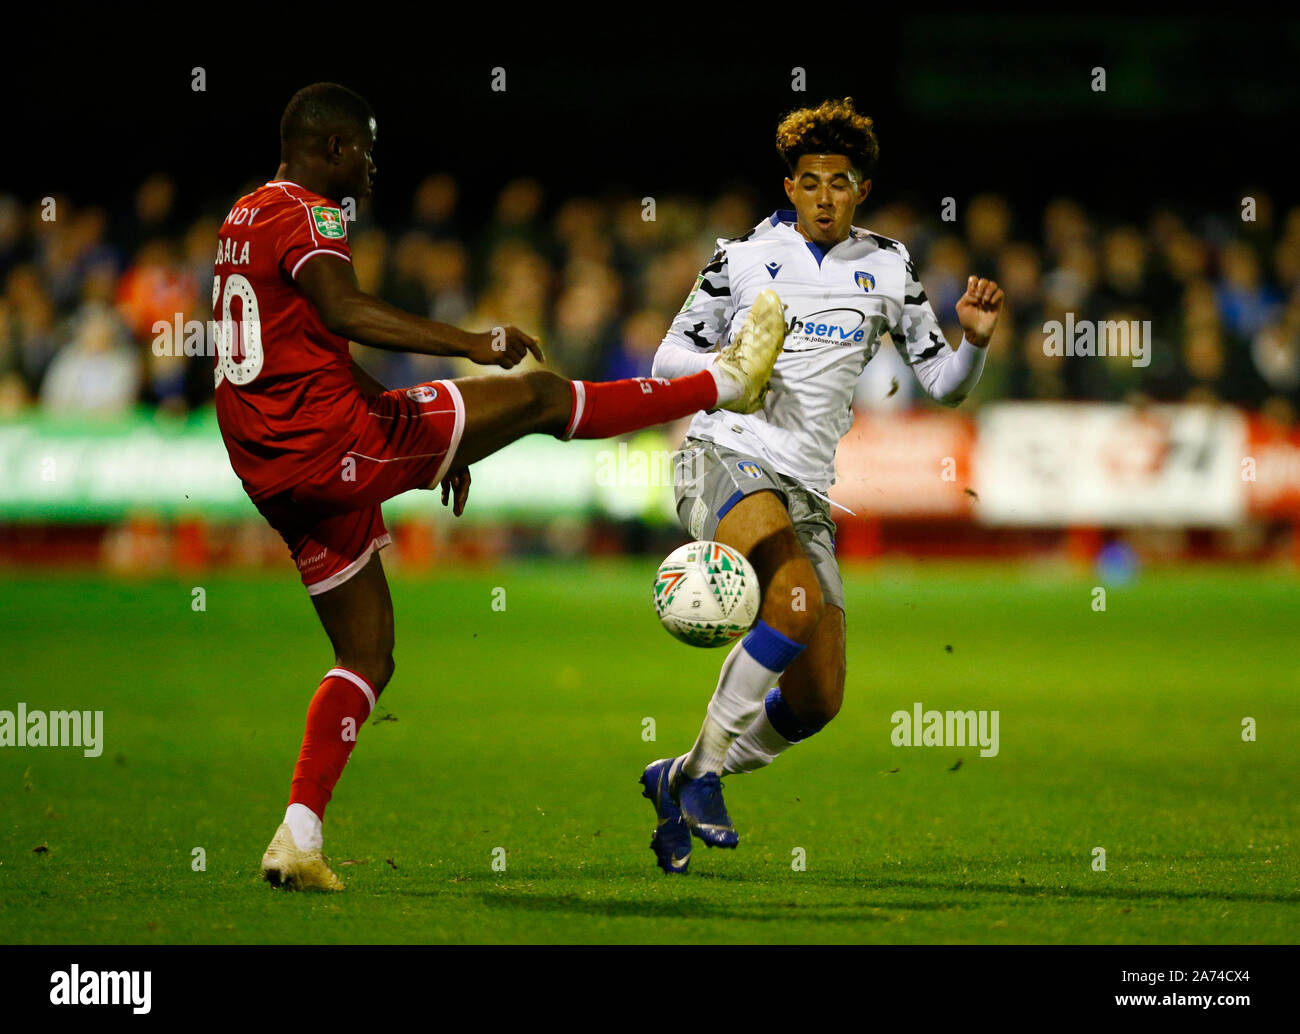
(706,594)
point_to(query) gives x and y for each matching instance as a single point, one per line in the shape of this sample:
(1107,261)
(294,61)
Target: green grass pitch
(522,729)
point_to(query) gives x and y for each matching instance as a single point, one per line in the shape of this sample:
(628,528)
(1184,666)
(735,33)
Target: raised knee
(805,707)
(818,712)
(377,669)
(550,398)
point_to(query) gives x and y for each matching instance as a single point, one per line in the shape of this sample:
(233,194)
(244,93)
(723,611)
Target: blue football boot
(703,811)
(671,842)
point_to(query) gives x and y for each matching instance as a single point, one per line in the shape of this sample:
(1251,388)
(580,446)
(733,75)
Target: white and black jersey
(837,304)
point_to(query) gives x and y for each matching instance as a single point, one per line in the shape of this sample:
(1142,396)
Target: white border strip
(293,274)
(335,580)
(456,431)
(356,680)
(579,404)
(310,228)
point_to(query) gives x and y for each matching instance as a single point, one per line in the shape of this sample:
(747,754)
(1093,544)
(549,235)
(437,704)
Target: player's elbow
(944,391)
(344,312)
(339,318)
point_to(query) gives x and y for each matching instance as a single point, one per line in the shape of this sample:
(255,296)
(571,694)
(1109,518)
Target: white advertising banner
(1053,464)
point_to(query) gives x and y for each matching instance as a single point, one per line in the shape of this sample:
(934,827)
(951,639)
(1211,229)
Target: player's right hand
(504,347)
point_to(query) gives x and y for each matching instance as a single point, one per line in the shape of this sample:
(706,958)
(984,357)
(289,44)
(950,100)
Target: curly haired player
(319,445)
(758,481)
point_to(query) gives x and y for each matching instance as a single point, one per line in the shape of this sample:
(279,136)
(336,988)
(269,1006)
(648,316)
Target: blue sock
(782,719)
(773,650)
(748,671)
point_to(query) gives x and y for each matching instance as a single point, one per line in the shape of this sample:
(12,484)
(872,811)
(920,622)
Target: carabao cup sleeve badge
(329,222)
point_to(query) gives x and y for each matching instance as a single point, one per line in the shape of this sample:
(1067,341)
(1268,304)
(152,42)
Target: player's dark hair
(321,110)
(833,127)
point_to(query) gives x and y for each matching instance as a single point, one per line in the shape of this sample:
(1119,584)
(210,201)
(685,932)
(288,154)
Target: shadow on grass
(1034,890)
(760,911)
(857,898)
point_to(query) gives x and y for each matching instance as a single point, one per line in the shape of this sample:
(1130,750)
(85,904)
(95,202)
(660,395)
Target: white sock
(738,699)
(710,750)
(305,825)
(729,389)
(756,748)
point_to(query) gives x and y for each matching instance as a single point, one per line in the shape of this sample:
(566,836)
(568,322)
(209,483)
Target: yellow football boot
(753,352)
(287,865)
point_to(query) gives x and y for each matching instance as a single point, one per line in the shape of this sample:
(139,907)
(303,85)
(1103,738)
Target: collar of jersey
(787,217)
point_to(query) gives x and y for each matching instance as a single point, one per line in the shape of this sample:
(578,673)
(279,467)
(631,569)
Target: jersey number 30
(248,327)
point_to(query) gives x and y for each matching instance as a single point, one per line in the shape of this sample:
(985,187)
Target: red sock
(334,717)
(603,409)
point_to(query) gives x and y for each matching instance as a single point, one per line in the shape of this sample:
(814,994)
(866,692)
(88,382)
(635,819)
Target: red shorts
(332,522)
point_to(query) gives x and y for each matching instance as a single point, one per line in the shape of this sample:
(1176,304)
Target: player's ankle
(305,827)
(710,750)
(729,388)
(697,768)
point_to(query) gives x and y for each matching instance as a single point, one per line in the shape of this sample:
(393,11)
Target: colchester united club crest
(864,280)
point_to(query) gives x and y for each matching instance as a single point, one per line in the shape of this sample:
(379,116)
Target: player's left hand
(456,482)
(978,310)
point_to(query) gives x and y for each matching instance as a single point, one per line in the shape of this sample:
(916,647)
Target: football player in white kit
(758,482)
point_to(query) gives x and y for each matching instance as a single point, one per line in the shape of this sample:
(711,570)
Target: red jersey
(284,387)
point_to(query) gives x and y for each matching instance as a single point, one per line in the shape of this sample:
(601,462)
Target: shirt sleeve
(312,230)
(699,328)
(947,376)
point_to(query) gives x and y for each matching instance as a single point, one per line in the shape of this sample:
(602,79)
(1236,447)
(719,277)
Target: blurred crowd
(598,281)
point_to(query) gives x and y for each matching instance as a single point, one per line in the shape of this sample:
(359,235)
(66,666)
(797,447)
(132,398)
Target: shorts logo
(306,562)
(749,469)
(699,513)
(864,280)
(329,222)
(422,393)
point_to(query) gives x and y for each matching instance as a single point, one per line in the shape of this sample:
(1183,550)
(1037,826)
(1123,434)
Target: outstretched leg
(501,410)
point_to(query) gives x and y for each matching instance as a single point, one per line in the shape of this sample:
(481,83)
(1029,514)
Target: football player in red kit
(319,445)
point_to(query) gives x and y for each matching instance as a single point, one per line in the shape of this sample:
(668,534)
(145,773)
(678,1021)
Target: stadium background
(527,207)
